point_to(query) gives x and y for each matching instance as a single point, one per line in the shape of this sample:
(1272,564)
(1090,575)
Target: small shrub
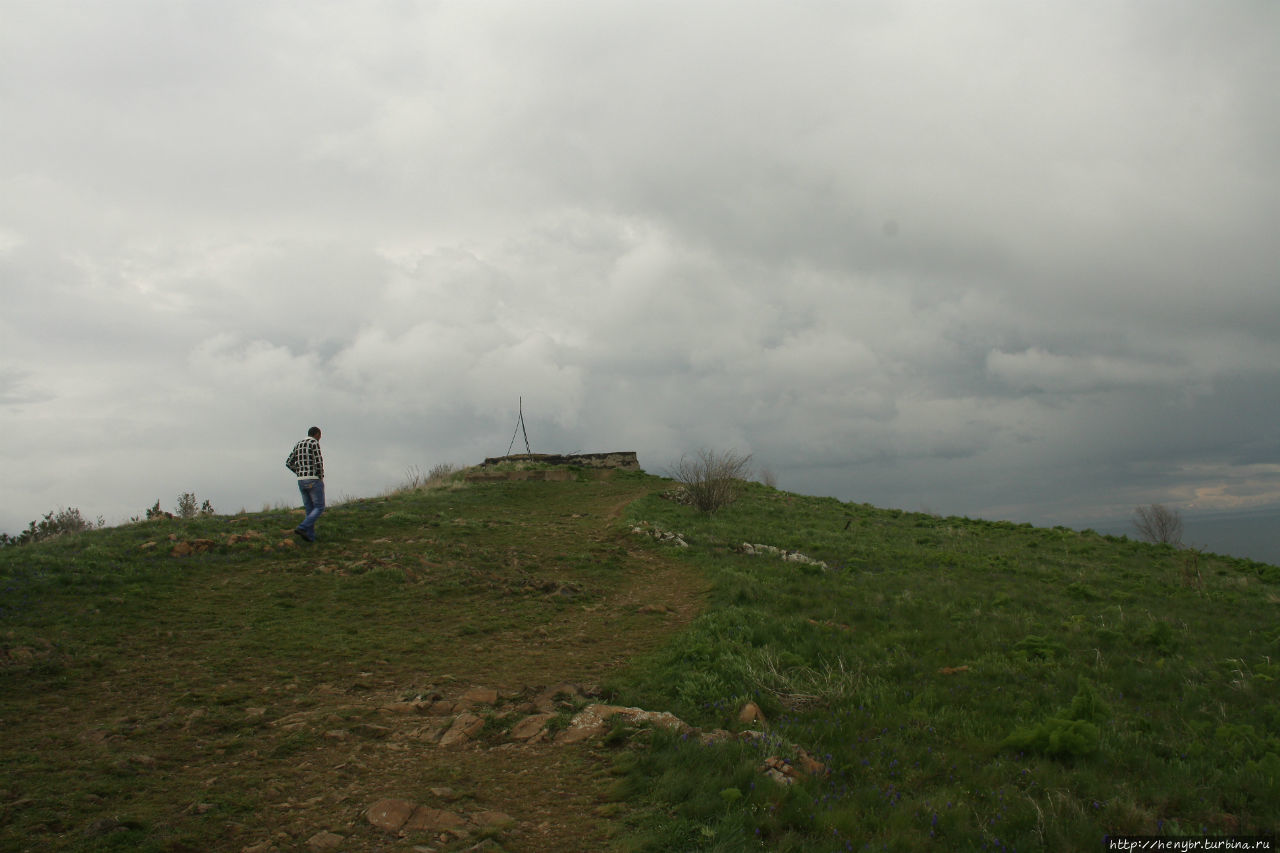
(712,479)
(1057,738)
(54,523)
(1159,635)
(186,506)
(1073,735)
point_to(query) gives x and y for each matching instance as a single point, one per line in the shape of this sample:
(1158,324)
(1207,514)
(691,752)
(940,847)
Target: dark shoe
(303,534)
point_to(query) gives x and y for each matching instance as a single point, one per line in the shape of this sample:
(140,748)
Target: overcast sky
(999,259)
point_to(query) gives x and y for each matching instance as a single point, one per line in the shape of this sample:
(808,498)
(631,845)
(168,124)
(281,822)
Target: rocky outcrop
(783,554)
(668,537)
(560,716)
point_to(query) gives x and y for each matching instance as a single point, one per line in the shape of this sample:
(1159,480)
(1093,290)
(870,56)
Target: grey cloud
(997,259)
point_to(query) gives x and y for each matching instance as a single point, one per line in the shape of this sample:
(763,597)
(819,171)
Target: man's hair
(314,432)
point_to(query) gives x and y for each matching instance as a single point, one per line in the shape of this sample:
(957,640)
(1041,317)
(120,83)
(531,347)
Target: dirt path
(554,795)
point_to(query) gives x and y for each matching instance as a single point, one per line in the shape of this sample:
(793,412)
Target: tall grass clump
(712,479)
(415,479)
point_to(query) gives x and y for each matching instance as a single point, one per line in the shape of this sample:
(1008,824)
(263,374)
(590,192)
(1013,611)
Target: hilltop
(839,677)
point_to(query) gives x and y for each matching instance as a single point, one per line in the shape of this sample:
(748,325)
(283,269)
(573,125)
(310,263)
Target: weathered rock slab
(390,814)
(465,727)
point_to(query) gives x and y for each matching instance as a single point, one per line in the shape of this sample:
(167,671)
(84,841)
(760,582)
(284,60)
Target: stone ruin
(623,460)
(602,465)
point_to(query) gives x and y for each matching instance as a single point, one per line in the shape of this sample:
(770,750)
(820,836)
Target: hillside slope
(256,694)
(913,682)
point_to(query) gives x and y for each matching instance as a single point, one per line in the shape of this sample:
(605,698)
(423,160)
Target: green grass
(968,684)
(978,685)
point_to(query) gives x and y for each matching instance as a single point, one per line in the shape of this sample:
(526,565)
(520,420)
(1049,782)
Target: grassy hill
(924,682)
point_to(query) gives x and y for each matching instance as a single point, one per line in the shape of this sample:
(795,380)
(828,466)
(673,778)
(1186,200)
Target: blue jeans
(313,503)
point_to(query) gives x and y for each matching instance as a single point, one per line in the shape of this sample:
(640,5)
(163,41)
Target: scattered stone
(370,730)
(786,772)
(477,696)
(466,726)
(758,550)
(390,814)
(433,732)
(447,794)
(425,819)
(594,720)
(193,546)
(415,707)
(325,841)
(531,727)
(779,771)
(667,536)
(563,694)
(809,765)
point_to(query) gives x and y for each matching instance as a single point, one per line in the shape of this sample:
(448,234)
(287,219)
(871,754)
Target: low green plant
(1036,647)
(1072,734)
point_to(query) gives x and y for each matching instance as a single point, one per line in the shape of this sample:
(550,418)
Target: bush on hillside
(1074,734)
(1159,524)
(54,523)
(712,479)
(186,506)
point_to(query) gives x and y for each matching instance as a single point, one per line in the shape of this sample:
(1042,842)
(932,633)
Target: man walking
(305,461)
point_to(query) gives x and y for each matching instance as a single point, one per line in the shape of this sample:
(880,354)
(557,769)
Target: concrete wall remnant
(624,460)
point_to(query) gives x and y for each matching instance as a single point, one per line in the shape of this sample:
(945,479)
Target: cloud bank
(1001,260)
